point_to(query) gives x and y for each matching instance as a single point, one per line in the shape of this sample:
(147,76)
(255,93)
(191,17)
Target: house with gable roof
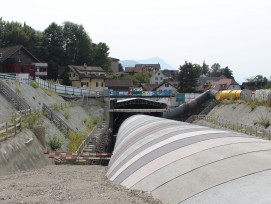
(158,77)
(89,77)
(225,84)
(17,59)
(142,67)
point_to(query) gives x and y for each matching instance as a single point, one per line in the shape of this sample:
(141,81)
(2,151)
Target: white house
(167,86)
(158,77)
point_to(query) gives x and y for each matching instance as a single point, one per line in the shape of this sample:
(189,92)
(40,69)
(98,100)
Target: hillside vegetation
(80,118)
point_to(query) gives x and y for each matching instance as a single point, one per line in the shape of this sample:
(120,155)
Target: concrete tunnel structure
(185,163)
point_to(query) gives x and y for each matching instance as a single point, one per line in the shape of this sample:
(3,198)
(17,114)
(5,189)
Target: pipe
(184,108)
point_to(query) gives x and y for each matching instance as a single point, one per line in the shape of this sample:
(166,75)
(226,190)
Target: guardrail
(70,90)
(8,76)
(239,127)
(61,124)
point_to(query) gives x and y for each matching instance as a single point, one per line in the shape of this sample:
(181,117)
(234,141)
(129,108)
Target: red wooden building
(17,59)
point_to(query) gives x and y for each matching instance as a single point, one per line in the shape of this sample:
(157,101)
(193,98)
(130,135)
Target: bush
(92,122)
(34,84)
(76,138)
(55,142)
(263,121)
(67,114)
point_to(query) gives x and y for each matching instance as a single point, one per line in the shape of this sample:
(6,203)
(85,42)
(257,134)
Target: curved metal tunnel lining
(176,166)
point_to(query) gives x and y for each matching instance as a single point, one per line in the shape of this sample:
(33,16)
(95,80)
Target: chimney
(85,65)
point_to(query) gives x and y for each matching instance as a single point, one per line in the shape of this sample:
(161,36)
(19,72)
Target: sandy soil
(67,184)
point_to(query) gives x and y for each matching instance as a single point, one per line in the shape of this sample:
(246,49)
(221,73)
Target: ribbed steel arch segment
(178,161)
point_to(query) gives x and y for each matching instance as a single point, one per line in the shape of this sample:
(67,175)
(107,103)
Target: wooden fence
(9,128)
(258,131)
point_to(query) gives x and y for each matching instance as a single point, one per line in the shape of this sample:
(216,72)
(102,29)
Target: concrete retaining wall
(22,152)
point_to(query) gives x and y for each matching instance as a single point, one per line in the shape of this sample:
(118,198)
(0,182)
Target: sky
(233,33)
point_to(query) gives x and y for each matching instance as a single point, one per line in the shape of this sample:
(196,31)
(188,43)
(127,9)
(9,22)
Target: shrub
(76,138)
(34,84)
(32,119)
(67,114)
(263,121)
(55,142)
(92,122)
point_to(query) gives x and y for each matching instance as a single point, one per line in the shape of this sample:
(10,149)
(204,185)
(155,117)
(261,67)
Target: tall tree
(188,76)
(54,41)
(205,69)
(227,73)
(215,70)
(77,44)
(100,54)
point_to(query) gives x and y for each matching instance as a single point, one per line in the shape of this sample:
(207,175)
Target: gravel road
(67,184)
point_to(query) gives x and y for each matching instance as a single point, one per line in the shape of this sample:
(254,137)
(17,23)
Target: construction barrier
(78,157)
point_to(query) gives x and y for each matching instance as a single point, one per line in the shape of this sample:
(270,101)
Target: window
(161,78)
(84,84)
(158,73)
(102,84)
(156,78)
(166,85)
(73,74)
(97,84)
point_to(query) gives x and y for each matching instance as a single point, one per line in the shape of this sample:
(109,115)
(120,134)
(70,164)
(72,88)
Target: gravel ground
(67,184)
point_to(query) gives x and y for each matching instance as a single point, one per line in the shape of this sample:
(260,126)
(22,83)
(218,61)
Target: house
(119,84)
(142,67)
(205,82)
(17,59)
(167,86)
(171,74)
(158,77)
(225,84)
(114,64)
(89,77)
(148,87)
(253,86)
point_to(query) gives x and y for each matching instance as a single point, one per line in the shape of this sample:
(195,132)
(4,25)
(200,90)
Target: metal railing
(61,124)
(61,89)
(11,96)
(236,126)
(86,141)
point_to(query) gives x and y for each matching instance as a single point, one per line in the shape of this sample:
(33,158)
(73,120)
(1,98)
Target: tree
(188,76)
(77,44)
(227,73)
(215,70)
(205,69)
(120,68)
(66,80)
(258,78)
(100,54)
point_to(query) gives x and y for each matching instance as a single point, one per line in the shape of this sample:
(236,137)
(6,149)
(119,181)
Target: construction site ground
(31,182)
(67,184)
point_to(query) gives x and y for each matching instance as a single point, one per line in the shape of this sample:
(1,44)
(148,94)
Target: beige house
(225,84)
(85,76)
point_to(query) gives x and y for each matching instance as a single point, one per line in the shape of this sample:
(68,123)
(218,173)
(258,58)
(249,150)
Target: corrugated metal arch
(180,162)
